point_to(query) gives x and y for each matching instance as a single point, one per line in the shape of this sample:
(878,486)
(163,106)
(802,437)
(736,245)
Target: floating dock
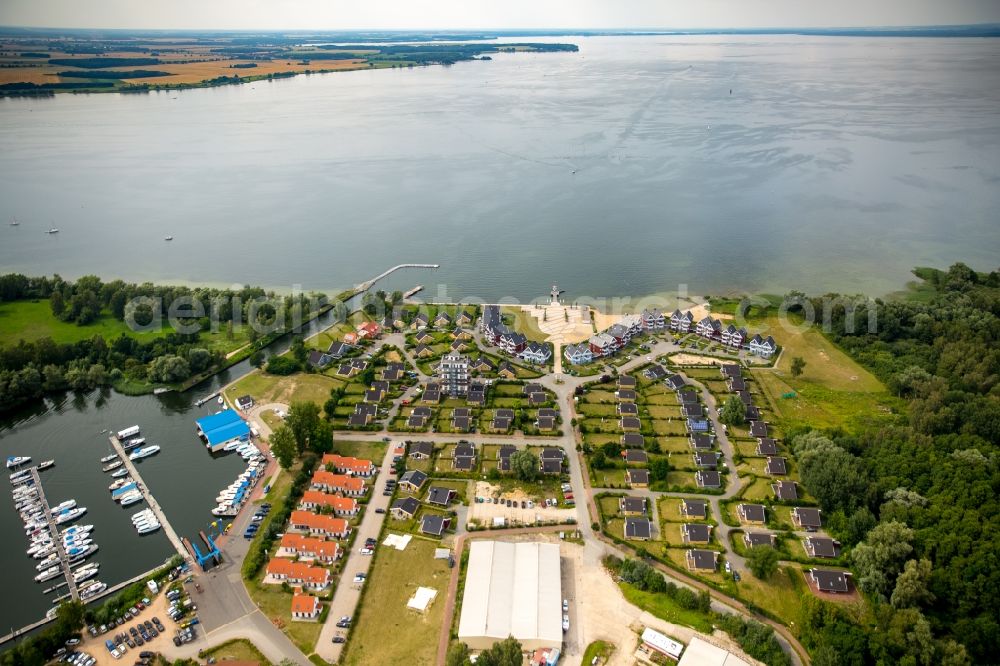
(413,292)
(148,496)
(56,537)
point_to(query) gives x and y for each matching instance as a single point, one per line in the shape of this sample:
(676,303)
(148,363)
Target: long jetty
(56,537)
(148,496)
(364,286)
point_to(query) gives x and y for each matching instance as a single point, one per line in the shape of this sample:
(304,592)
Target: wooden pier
(148,496)
(365,286)
(56,537)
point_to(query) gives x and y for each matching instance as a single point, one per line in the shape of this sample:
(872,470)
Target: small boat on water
(144,452)
(14,222)
(16,461)
(80,557)
(45,465)
(64,506)
(93,590)
(120,473)
(168,238)
(112,466)
(48,574)
(120,483)
(130,498)
(70,515)
(109,458)
(146,529)
(133,443)
(20,474)
(222,400)
(77,529)
(53,230)
(145,513)
(48,562)
(127,433)
(85,572)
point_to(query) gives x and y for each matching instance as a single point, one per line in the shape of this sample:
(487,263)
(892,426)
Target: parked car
(380,510)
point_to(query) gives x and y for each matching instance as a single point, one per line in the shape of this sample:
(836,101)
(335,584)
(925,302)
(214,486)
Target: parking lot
(532,511)
(162,643)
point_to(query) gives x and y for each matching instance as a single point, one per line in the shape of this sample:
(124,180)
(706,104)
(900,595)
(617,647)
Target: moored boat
(144,452)
(147,528)
(15,461)
(130,498)
(109,458)
(112,466)
(93,590)
(120,473)
(48,574)
(42,466)
(70,515)
(63,506)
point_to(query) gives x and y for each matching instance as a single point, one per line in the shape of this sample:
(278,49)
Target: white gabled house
(536,352)
(681,321)
(578,354)
(764,347)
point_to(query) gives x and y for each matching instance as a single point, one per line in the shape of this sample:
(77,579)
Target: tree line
(914,502)
(30,369)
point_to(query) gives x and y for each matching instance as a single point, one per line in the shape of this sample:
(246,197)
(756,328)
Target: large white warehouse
(512,589)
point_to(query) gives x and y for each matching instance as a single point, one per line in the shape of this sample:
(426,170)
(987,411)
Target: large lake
(722,162)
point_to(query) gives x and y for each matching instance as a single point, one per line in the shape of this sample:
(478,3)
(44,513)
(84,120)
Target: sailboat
(14,222)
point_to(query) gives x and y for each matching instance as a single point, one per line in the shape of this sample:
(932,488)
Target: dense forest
(29,369)
(915,503)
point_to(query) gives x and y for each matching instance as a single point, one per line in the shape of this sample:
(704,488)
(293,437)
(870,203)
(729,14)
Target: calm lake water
(723,162)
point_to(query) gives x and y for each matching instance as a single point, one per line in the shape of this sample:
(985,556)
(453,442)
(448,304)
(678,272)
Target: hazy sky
(463,14)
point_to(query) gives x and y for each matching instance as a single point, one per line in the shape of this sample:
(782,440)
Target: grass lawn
(666,608)
(265,388)
(239,649)
(781,594)
(833,388)
(524,323)
(600,649)
(31,320)
(374,451)
(387,632)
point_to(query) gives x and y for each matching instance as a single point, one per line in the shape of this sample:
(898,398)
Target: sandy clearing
(162,643)
(695,359)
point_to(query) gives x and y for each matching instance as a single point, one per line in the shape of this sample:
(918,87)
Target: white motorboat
(120,473)
(232,446)
(77,557)
(81,551)
(120,483)
(63,506)
(222,400)
(128,433)
(15,461)
(93,590)
(143,515)
(48,562)
(70,515)
(48,574)
(77,529)
(85,572)
(130,498)
(146,529)
(144,452)
(42,466)
(39,547)
(112,466)
(109,458)
(53,230)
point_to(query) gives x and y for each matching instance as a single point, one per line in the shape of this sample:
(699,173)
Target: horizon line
(559,30)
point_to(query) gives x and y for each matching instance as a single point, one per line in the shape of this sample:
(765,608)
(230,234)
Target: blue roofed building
(220,429)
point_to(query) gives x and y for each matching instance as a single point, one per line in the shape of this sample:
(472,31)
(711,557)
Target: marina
(55,536)
(140,487)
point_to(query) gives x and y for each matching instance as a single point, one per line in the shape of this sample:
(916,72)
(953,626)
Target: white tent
(512,589)
(422,598)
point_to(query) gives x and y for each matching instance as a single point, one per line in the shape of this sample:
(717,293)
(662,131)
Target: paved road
(346,597)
